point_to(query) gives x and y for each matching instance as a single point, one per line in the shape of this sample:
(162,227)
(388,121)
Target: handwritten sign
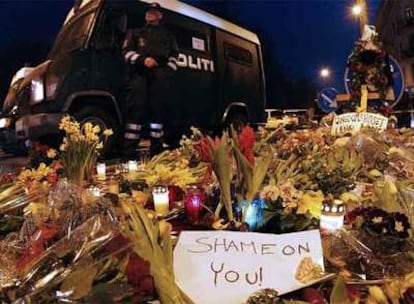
(226,267)
(353,122)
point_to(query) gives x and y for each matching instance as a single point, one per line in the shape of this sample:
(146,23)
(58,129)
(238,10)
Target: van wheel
(237,120)
(101,118)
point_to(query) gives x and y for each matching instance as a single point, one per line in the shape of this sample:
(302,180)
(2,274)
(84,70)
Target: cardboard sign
(227,267)
(353,122)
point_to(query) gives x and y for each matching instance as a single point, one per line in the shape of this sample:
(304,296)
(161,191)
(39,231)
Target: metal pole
(363,18)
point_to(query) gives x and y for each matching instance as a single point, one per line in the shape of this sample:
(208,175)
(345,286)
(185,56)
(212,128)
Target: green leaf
(79,281)
(339,294)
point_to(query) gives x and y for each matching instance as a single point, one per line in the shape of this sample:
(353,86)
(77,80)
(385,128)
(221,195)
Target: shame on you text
(224,245)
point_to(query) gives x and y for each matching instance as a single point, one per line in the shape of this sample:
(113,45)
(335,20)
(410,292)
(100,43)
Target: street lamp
(359,10)
(325,73)
(356,9)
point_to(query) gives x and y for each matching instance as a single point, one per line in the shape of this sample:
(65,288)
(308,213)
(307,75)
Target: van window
(238,54)
(190,40)
(111,31)
(73,35)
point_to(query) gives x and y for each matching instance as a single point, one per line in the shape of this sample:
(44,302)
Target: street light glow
(357,10)
(325,73)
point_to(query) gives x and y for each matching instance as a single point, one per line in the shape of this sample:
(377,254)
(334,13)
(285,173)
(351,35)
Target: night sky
(299,37)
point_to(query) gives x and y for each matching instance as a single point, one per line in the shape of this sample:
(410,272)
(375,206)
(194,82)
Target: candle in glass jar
(101,171)
(194,198)
(332,215)
(161,201)
(132,166)
(94,191)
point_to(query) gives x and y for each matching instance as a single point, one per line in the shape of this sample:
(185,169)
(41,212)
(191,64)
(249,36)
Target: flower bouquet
(375,245)
(80,149)
(232,160)
(76,251)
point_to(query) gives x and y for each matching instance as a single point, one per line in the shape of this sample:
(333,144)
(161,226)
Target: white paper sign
(198,44)
(226,267)
(353,122)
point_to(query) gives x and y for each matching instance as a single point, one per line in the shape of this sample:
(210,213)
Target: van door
(193,99)
(108,66)
(239,73)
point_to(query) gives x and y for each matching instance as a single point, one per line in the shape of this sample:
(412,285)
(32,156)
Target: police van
(220,77)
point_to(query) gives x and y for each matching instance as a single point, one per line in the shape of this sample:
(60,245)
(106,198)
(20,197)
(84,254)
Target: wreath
(369,64)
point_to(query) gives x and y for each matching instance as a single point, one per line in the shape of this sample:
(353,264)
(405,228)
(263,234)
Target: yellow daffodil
(87,128)
(349,197)
(108,132)
(38,174)
(51,153)
(80,148)
(377,220)
(399,226)
(311,202)
(96,129)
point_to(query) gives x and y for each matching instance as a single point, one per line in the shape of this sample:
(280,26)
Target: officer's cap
(153,6)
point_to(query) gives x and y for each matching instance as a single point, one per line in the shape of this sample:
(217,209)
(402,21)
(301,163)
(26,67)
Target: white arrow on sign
(332,103)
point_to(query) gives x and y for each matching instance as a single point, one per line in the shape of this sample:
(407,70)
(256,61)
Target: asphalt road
(11,164)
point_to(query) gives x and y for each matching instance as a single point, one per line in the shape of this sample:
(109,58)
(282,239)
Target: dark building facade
(395,26)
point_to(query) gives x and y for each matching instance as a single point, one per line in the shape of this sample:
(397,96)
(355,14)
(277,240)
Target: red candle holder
(194,200)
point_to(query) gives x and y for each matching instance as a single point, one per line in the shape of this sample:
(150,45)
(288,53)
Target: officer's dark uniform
(144,102)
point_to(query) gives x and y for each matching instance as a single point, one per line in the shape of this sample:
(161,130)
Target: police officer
(151,51)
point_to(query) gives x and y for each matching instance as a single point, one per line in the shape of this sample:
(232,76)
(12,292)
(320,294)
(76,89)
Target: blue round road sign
(327,100)
(398,80)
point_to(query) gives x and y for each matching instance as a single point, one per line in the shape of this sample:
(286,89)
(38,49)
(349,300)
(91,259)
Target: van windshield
(74,33)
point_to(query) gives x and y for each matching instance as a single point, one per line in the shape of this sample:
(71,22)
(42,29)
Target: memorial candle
(101,171)
(332,216)
(161,201)
(194,200)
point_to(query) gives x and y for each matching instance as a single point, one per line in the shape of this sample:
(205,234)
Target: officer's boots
(132,137)
(157,138)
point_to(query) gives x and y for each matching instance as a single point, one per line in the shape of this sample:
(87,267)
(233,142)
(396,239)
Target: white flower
(270,192)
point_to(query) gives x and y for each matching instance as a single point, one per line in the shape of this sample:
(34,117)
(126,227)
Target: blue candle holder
(253,213)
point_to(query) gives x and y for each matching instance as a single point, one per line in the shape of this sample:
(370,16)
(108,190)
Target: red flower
(246,143)
(137,270)
(208,175)
(138,274)
(204,151)
(52,178)
(37,146)
(47,232)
